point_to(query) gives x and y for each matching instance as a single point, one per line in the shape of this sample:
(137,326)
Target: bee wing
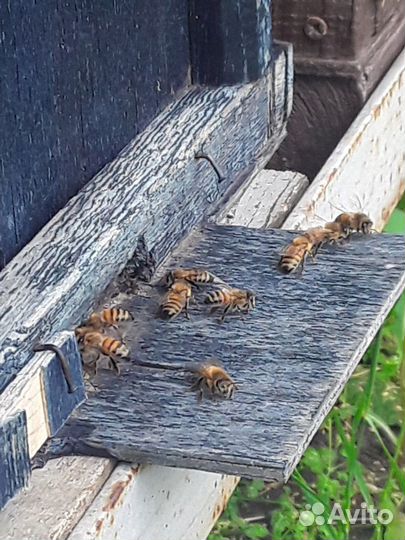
(196,367)
(220,281)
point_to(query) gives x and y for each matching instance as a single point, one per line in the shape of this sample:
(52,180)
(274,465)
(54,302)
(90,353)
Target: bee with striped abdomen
(93,343)
(317,236)
(294,255)
(195,276)
(211,380)
(176,300)
(231,300)
(109,317)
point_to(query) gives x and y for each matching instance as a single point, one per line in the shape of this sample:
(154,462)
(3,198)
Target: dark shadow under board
(291,357)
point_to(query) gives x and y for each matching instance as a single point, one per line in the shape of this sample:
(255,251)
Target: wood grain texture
(353,26)
(230,42)
(55,499)
(58,401)
(154,188)
(155,502)
(264,202)
(334,76)
(151,416)
(366,172)
(143,507)
(41,391)
(14,457)
(186,521)
(80,79)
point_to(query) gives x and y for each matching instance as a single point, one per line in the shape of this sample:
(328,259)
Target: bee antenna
(360,205)
(336,207)
(321,218)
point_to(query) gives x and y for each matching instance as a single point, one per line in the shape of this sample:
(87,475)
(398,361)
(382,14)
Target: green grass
(357,457)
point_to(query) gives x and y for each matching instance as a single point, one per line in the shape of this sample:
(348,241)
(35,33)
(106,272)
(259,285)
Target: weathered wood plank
(192,513)
(265,201)
(230,42)
(139,193)
(265,429)
(142,499)
(149,502)
(41,391)
(56,497)
(14,457)
(367,169)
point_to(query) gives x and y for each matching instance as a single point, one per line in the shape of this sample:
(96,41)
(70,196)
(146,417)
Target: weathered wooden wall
(79,80)
(341,51)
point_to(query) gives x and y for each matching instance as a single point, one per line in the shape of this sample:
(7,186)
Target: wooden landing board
(291,357)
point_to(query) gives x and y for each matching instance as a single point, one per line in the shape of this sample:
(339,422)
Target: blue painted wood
(154,190)
(291,357)
(230,41)
(15,466)
(79,80)
(61,403)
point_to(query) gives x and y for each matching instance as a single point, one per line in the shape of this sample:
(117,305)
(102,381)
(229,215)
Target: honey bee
(354,222)
(335,232)
(109,317)
(195,276)
(176,300)
(93,343)
(211,380)
(231,300)
(294,256)
(317,236)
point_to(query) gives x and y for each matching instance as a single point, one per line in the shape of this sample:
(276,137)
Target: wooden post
(230,41)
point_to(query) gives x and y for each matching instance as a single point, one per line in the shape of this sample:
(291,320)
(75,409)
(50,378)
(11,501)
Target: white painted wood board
(367,169)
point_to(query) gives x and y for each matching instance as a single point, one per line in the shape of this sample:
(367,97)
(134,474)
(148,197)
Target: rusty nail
(315,28)
(202,155)
(40,347)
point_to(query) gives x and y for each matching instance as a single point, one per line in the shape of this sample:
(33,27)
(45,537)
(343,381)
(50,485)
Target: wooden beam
(367,169)
(14,456)
(188,521)
(55,499)
(265,200)
(264,430)
(148,502)
(230,42)
(138,195)
(41,393)
(146,494)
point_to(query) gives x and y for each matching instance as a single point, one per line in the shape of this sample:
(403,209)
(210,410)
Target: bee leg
(300,267)
(228,307)
(186,307)
(118,331)
(115,365)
